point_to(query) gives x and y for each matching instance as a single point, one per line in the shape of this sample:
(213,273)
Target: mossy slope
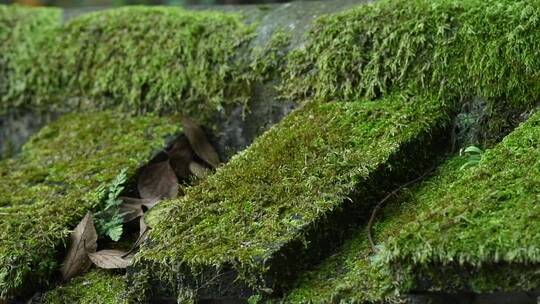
(94,287)
(455,230)
(22,30)
(48,188)
(259,212)
(143,59)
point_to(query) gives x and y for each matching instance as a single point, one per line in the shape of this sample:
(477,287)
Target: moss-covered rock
(484,218)
(461,230)
(53,182)
(457,49)
(143,59)
(94,287)
(289,198)
(22,30)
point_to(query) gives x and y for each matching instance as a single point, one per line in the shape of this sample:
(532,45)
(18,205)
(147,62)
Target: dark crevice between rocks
(16,127)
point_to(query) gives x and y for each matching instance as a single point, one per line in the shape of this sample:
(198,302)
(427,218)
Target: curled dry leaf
(110,259)
(180,155)
(149,203)
(83,241)
(198,170)
(130,212)
(158,181)
(199,142)
(131,208)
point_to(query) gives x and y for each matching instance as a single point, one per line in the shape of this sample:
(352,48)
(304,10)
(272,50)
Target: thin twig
(388,196)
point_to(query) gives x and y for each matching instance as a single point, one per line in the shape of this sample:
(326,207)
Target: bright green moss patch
(94,287)
(144,59)
(460,230)
(51,184)
(255,213)
(457,49)
(21,31)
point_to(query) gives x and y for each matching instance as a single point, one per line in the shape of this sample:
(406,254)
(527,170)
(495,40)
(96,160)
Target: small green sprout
(473,154)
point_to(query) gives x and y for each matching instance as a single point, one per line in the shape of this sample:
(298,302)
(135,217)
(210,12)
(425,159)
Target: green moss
(144,59)
(485,216)
(94,287)
(21,31)
(51,184)
(467,230)
(293,180)
(458,49)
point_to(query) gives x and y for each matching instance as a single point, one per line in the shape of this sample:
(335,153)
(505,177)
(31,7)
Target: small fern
(474,155)
(109,221)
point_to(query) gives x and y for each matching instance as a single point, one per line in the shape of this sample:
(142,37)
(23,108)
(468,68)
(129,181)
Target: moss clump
(267,212)
(458,49)
(454,231)
(21,31)
(51,184)
(144,59)
(95,287)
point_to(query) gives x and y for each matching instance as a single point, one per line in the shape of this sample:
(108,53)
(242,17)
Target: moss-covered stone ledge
(49,187)
(462,230)
(291,196)
(483,220)
(143,59)
(94,287)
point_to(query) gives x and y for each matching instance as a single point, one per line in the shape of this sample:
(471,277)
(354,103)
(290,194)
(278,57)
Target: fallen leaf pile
(189,155)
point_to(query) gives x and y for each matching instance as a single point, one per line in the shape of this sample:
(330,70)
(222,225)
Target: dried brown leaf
(149,203)
(198,170)
(158,181)
(180,155)
(110,259)
(83,241)
(130,211)
(199,142)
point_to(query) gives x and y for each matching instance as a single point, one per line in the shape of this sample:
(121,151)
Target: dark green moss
(94,287)
(454,232)
(51,184)
(21,31)
(286,187)
(144,59)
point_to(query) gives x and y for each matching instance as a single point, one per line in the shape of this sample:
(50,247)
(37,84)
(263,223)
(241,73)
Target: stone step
(462,231)
(288,199)
(52,183)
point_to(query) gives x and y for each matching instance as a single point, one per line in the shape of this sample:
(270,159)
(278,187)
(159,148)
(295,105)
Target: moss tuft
(258,214)
(51,184)
(22,30)
(94,287)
